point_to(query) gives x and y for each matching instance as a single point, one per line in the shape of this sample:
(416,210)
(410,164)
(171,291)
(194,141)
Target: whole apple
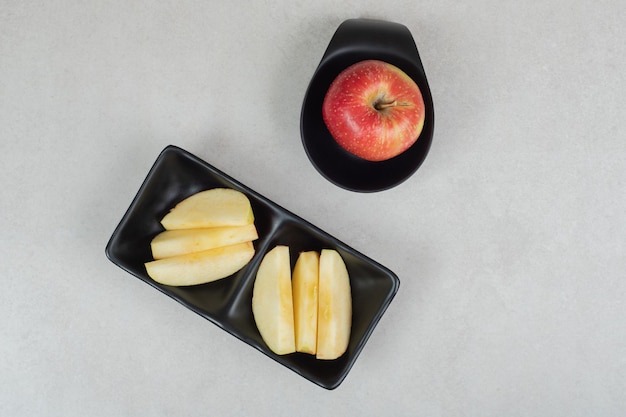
(374,110)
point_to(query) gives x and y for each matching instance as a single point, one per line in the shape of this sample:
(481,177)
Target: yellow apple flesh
(210,208)
(201,267)
(304,285)
(335,306)
(178,242)
(272,302)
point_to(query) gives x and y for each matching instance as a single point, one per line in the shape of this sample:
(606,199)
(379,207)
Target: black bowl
(356,40)
(227,303)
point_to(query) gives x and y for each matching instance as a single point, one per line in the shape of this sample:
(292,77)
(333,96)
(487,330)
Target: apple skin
(374,110)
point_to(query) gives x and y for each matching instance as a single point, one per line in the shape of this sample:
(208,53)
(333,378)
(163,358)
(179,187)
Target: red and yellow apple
(374,110)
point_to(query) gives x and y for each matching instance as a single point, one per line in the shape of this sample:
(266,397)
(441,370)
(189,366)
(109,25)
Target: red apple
(374,110)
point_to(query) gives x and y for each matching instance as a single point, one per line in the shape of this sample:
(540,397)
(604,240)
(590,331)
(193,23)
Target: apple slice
(178,242)
(304,285)
(334,320)
(272,303)
(201,267)
(210,208)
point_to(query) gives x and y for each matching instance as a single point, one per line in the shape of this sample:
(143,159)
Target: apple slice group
(310,312)
(208,237)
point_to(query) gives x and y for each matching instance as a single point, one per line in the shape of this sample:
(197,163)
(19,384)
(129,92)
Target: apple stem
(383,105)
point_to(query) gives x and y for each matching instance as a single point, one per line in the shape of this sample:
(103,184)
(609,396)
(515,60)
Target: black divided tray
(177,174)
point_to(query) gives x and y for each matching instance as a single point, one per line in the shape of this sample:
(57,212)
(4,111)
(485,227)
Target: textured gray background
(510,241)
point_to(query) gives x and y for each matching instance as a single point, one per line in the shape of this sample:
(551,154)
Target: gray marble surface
(510,241)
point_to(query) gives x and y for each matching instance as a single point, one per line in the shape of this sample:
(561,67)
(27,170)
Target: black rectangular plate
(177,174)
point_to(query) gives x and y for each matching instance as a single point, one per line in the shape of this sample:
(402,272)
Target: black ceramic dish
(227,303)
(357,40)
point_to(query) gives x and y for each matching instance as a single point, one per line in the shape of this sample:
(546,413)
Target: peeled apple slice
(334,320)
(304,286)
(178,242)
(210,208)
(272,303)
(201,267)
